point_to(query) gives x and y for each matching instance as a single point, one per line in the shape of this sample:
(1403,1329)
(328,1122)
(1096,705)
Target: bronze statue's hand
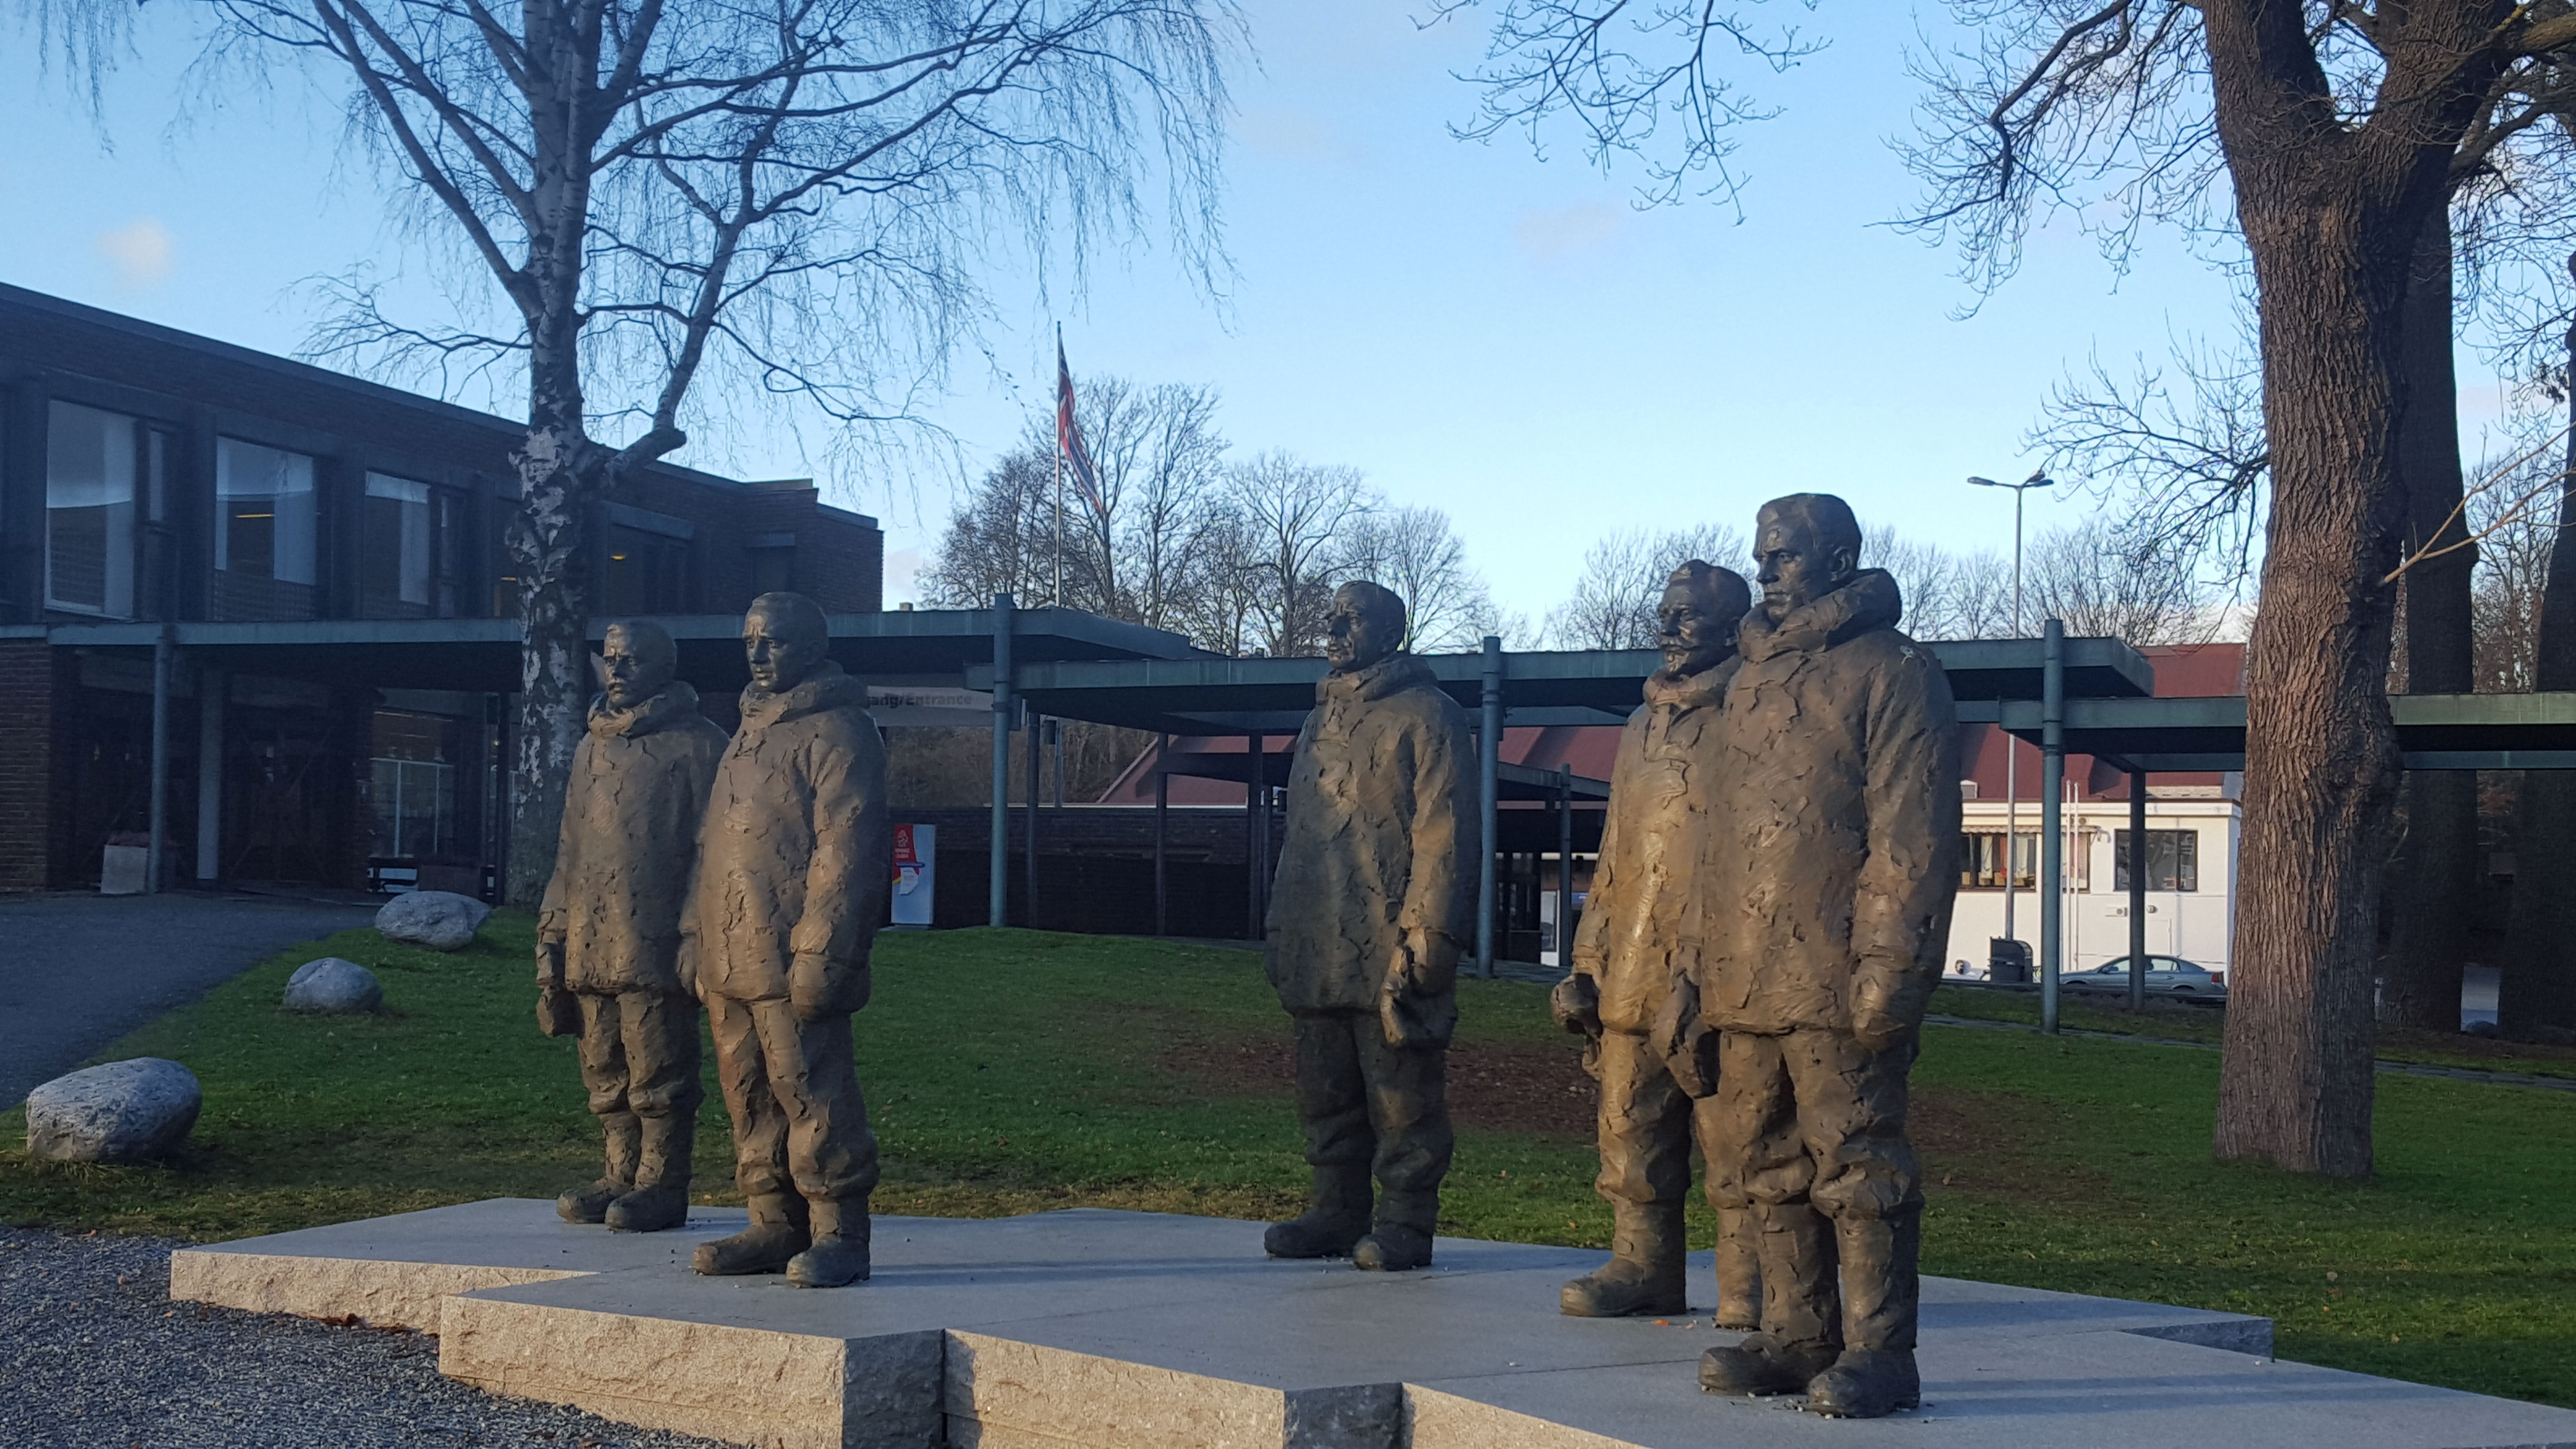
(558,1011)
(809,986)
(1576,1004)
(1684,1041)
(1887,1002)
(818,988)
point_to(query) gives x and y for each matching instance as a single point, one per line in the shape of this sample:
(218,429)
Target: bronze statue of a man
(1366,919)
(609,967)
(1661,786)
(1822,914)
(794,864)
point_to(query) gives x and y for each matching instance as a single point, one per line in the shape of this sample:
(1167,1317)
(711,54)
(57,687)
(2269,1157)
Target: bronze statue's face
(1797,569)
(631,670)
(1691,631)
(1356,636)
(779,656)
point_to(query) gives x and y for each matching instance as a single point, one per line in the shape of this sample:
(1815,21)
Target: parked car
(2166,976)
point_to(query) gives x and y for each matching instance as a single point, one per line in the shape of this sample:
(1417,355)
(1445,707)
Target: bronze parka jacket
(797,852)
(630,828)
(1382,826)
(1660,788)
(1833,846)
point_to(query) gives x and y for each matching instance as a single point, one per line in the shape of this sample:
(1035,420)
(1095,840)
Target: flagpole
(1058,597)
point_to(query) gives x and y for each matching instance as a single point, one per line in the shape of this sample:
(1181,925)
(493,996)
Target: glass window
(1982,861)
(397,548)
(265,512)
(2173,860)
(647,572)
(89,510)
(414,785)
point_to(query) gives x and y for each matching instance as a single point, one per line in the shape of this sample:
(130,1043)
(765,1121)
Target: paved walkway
(79,971)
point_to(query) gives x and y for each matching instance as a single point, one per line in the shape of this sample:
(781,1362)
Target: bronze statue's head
(784,637)
(1808,545)
(636,662)
(1695,623)
(1366,624)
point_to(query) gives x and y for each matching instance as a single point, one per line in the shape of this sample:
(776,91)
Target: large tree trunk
(2539,979)
(2331,222)
(2434,883)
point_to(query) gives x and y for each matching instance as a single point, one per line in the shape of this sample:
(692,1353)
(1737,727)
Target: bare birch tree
(1415,553)
(793,194)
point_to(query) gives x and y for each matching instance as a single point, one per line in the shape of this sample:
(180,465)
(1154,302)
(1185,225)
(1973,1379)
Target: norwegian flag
(1068,437)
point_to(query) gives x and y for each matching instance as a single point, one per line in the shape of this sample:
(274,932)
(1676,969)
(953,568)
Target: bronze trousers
(1810,1134)
(639,1053)
(799,1123)
(1647,1124)
(1363,1101)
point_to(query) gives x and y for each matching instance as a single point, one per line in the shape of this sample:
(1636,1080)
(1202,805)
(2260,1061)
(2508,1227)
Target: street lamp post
(2012,752)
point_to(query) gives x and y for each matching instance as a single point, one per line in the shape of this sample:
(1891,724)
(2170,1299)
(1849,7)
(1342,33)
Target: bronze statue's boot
(839,1256)
(1337,1213)
(1401,1241)
(1801,1324)
(1739,1271)
(777,1234)
(589,1204)
(1645,1271)
(661,1196)
(1881,1289)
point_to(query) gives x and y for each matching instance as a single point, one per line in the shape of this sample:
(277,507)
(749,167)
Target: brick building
(325,555)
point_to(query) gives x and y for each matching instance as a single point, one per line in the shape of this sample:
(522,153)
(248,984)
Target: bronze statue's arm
(1911,874)
(847,878)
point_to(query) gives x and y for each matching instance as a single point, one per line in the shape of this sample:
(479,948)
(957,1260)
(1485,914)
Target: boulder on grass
(122,1112)
(439,920)
(333,987)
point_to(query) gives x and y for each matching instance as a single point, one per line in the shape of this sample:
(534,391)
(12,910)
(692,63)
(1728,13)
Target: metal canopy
(1516,782)
(1540,687)
(2434,731)
(482,655)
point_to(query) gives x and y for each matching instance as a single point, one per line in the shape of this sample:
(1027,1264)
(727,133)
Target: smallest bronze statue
(1366,922)
(609,967)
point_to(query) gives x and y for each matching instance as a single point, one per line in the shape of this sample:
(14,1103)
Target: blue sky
(1502,337)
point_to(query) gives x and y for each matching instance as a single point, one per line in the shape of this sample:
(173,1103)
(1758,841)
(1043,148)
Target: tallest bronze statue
(1821,915)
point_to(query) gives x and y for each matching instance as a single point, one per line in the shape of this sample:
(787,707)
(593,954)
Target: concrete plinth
(1113,1330)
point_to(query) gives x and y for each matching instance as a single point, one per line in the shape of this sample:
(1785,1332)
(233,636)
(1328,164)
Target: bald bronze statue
(1367,917)
(795,861)
(1815,943)
(609,967)
(1654,1094)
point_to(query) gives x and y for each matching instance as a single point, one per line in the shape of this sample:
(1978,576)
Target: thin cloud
(138,254)
(1555,233)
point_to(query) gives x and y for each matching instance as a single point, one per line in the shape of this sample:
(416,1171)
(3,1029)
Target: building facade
(262,509)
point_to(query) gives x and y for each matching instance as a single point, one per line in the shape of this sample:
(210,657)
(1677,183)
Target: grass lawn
(1014,1071)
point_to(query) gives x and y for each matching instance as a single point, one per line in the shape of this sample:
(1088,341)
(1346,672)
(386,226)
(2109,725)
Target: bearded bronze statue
(1655,1087)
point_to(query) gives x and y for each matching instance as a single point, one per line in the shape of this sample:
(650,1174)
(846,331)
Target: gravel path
(94,1355)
